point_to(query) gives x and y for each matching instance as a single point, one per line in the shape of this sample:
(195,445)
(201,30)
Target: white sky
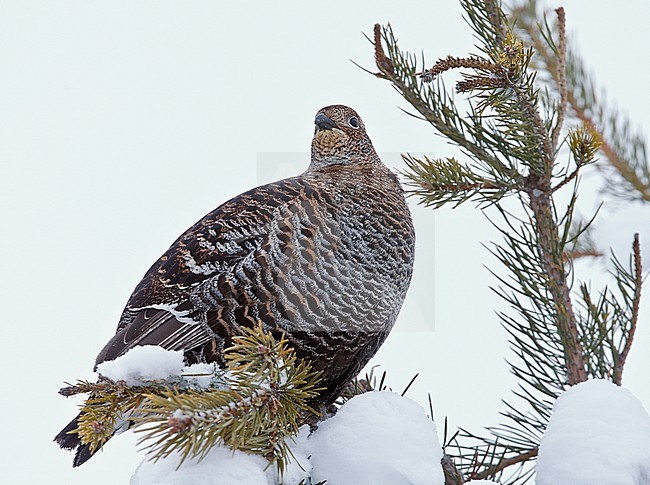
(122,123)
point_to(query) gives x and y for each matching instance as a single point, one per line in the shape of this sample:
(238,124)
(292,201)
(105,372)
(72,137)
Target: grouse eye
(354,122)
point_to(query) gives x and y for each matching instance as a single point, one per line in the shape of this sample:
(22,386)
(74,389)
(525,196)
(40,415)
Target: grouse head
(340,138)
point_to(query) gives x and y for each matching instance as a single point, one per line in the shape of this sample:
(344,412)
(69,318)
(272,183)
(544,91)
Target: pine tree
(529,97)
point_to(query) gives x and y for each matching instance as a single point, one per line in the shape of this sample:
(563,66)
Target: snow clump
(143,363)
(377,437)
(599,434)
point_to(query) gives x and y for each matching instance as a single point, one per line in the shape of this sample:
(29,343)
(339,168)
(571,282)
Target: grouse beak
(324,123)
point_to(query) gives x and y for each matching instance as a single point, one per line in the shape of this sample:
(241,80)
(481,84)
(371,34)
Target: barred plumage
(325,257)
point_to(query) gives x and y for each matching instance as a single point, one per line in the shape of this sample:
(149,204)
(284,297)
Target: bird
(324,258)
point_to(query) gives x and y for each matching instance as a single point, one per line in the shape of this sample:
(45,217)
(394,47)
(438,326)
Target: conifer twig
(505,463)
(254,405)
(384,64)
(495,15)
(567,179)
(638,282)
(577,254)
(623,150)
(548,238)
(561,76)
(620,164)
(451,473)
(451,62)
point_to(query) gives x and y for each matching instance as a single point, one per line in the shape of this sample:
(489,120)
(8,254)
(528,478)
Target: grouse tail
(68,439)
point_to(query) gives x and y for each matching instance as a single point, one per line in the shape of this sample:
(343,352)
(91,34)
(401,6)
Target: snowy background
(122,123)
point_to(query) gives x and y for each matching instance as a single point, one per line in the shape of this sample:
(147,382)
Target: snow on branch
(377,437)
(254,405)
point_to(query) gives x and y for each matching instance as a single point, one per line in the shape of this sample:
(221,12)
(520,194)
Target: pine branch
(609,322)
(521,104)
(450,62)
(638,281)
(436,106)
(452,475)
(512,150)
(505,463)
(584,143)
(580,241)
(494,460)
(438,182)
(552,252)
(487,20)
(561,77)
(268,392)
(102,386)
(633,280)
(254,405)
(624,150)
